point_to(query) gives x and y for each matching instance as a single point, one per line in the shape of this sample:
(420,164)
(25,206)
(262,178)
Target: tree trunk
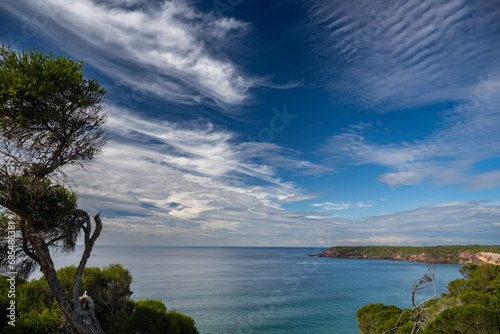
(75,316)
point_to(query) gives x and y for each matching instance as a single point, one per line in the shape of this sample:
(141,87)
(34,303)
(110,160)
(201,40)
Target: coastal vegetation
(443,254)
(37,311)
(471,306)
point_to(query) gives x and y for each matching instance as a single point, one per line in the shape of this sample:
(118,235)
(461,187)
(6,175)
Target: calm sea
(264,290)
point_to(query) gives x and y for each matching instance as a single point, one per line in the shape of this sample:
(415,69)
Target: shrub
(472,306)
(378,318)
(37,311)
(109,287)
(475,297)
(150,316)
(468,319)
(36,322)
(119,323)
(180,323)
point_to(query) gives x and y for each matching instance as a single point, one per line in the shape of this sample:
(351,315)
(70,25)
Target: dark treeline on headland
(477,254)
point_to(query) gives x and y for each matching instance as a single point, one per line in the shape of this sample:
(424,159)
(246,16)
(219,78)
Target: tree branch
(9,205)
(89,244)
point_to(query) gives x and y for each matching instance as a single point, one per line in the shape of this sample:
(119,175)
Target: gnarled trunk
(82,321)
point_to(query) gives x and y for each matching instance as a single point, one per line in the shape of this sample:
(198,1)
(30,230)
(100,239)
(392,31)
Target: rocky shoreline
(479,258)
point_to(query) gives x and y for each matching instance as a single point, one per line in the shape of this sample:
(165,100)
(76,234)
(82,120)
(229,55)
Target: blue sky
(285,123)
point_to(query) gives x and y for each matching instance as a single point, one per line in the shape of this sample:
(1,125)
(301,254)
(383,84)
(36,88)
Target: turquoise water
(265,290)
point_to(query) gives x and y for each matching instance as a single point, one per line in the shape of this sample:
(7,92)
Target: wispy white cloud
(466,136)
(404,55)
(484,181)
(388,55)
(299,198)
(192,176)
(443,223)
(329,206)
(160,183)
(168,49)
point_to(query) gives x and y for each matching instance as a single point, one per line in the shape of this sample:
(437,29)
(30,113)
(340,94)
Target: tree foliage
(50,117)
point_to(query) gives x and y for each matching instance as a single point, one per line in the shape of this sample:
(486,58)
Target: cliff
(436,254)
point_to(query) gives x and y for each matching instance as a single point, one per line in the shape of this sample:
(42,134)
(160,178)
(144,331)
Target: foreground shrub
(378,318)
(109,287)
(38,313)
(36,322)
(468,319)
(471,306)
(150,316)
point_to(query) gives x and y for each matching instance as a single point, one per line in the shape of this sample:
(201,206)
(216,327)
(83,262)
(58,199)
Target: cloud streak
(187,176)
(390,55)
(465,138)
(156,185)
(169,50)
(445,223)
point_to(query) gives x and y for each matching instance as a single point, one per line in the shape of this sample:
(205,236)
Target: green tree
(50,117)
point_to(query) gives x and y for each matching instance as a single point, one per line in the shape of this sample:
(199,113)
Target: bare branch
(418,309)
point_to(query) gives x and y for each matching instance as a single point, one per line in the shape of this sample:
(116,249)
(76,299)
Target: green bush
(36,290)
(475,297)
(150,316)
(180,323)
(468,319)
(119,323)
(109,287)
(484,279)
(472,306)
(37,311)
(378,318)
(36,322)
(4,303)
(455,287)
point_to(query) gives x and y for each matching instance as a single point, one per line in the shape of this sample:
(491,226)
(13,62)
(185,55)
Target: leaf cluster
(41,201)
(50,115)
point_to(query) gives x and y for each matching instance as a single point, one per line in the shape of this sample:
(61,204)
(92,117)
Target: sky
(285,123)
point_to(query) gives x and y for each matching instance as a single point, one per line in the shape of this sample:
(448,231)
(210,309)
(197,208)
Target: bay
(264,290)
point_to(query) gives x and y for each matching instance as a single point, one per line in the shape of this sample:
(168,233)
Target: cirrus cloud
(170,49)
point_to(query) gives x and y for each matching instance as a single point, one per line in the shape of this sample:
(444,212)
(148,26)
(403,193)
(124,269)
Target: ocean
(247,290)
